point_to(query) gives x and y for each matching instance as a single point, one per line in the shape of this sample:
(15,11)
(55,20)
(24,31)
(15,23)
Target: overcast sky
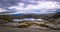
(29,6)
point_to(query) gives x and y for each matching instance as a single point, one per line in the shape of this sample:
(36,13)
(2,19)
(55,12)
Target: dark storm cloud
(4,4)
(7,3)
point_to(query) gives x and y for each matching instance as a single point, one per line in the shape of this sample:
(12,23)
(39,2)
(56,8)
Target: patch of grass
(43,25)
(24,26)
(51,21)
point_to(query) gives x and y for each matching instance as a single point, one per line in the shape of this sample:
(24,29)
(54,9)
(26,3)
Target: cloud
(2,10)
(40,7)
(8,3)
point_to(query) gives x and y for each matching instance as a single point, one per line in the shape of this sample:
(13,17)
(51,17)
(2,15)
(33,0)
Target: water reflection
(27,19)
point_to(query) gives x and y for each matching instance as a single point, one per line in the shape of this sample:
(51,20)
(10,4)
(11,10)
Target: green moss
(51,21)
(43,25)
(23,26)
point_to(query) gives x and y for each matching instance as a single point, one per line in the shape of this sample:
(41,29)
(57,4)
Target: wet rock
(53,26)
(58,20)
(37,27)
(10,24)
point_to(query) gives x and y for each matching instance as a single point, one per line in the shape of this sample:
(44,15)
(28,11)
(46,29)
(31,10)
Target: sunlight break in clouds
(42,6)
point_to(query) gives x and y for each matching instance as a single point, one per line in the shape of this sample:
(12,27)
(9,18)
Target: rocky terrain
(46,24)
(30,26)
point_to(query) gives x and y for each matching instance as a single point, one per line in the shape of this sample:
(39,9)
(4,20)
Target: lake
(27,19)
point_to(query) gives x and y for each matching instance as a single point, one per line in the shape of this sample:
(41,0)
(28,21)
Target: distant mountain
(57,10)
(17,14)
